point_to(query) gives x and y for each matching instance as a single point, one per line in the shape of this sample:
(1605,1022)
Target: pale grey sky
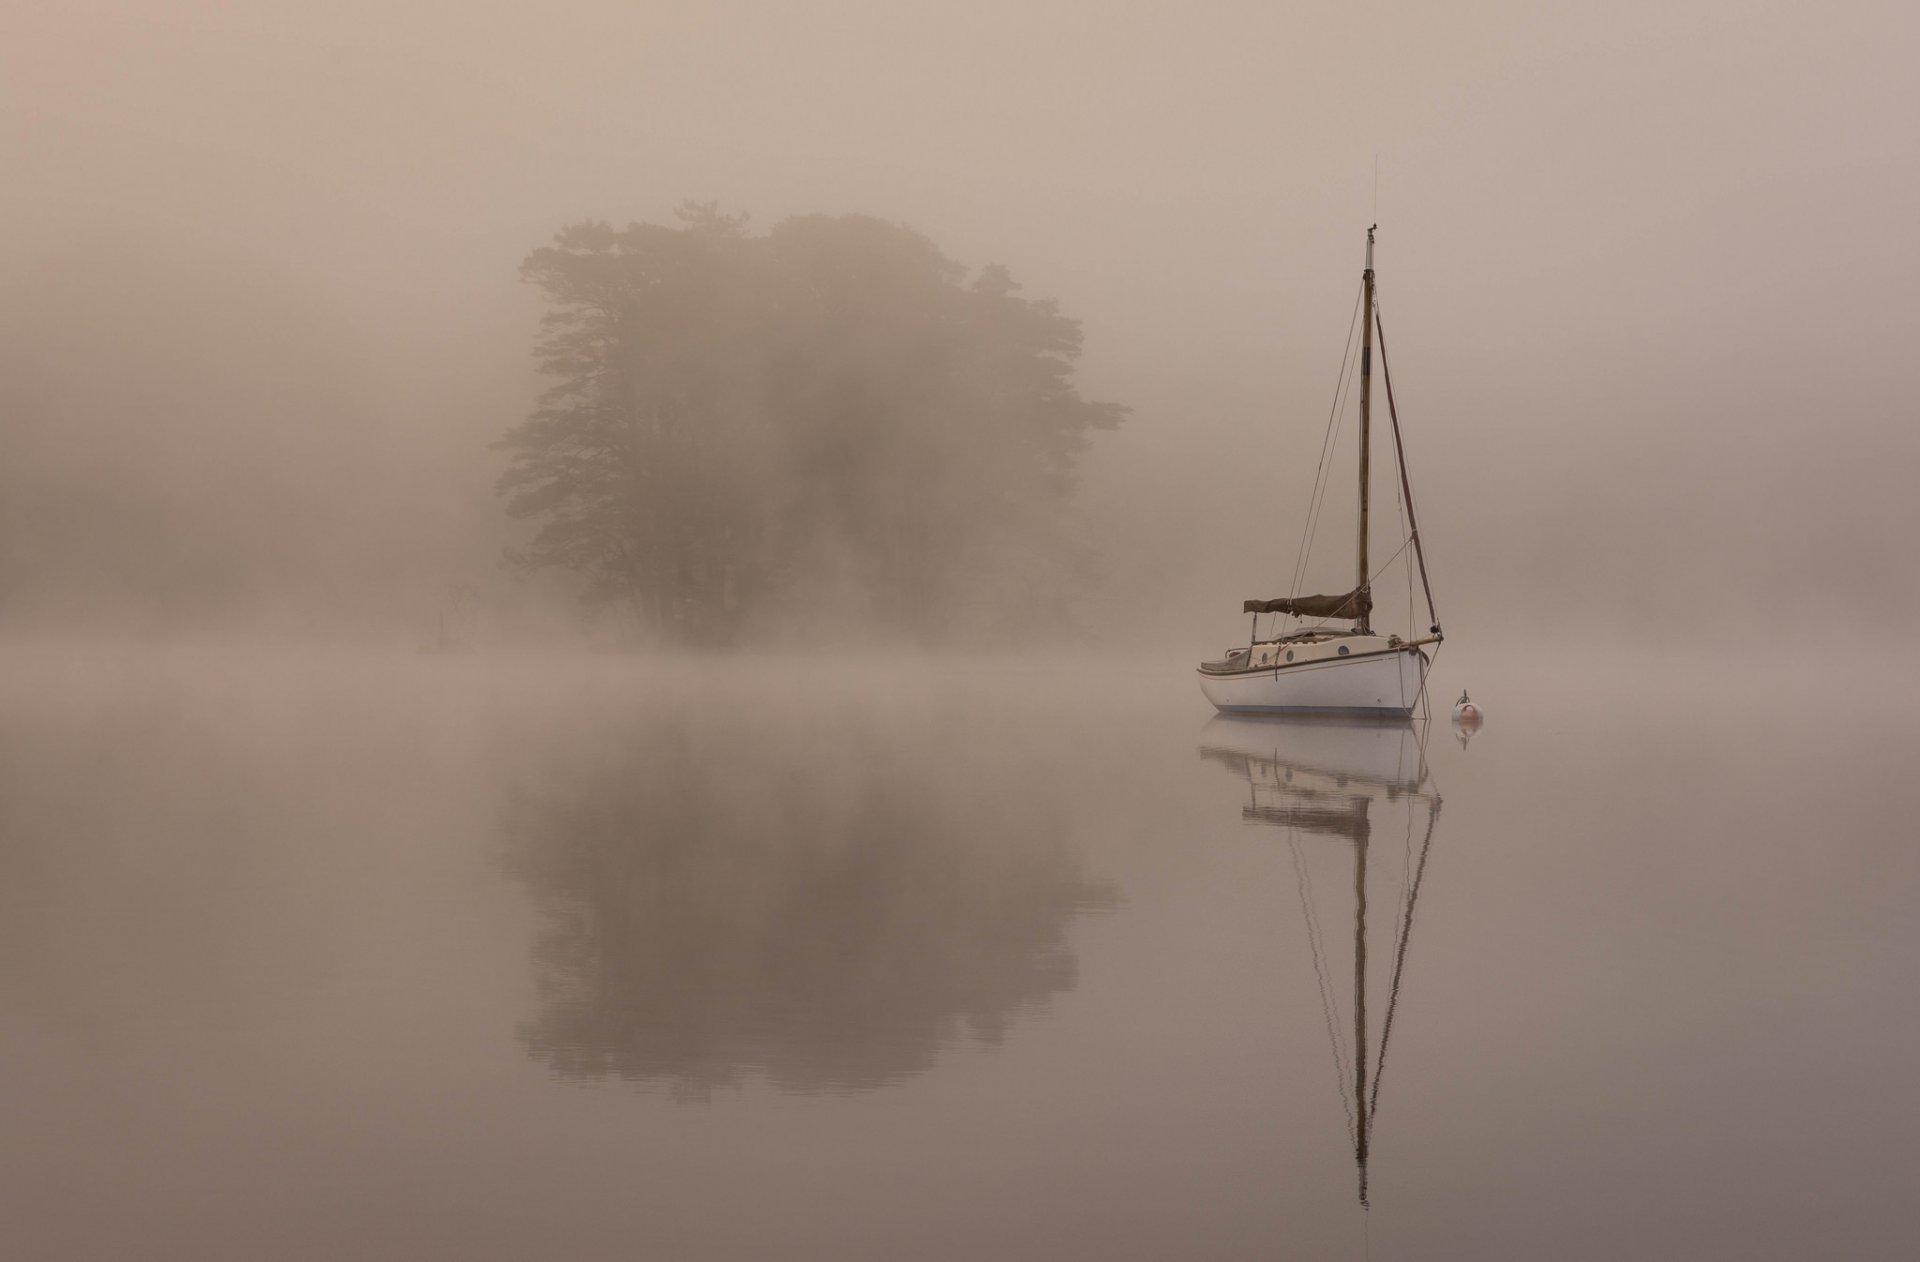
(1646,267)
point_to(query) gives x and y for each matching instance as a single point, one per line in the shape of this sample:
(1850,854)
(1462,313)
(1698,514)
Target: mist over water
(598,612)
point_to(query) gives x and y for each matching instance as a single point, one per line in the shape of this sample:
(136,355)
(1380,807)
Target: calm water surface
(323,955)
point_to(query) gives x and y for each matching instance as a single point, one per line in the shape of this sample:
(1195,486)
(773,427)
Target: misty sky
(1646,268)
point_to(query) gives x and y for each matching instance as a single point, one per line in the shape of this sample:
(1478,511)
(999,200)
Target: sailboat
(1344,781)
(1319,667)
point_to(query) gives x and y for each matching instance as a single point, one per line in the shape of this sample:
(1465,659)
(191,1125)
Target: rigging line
(1400,963)
(1327,1004)
(1376,574)
(1329,1001)
(1322,479)
(1406,852)
(1410,634)
(1426,704)
(1341,386)
(1399,485)
(1317,507)
(1400,502)
(1400,455)
(1339,389)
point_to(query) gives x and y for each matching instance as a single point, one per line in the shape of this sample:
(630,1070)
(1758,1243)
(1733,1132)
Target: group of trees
(830,419)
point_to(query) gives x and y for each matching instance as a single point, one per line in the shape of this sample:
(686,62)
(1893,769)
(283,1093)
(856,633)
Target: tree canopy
(830,418)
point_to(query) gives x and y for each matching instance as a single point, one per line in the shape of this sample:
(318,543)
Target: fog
(1645,270)
(812,443)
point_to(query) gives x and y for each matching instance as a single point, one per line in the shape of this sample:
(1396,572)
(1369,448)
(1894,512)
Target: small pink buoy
(1466,717)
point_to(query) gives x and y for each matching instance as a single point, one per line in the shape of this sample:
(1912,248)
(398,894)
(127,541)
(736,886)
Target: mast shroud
(1406,485)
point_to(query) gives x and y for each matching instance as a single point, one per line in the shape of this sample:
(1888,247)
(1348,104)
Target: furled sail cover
(1354,604)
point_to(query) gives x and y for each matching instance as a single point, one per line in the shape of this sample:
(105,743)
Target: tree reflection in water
(811,898)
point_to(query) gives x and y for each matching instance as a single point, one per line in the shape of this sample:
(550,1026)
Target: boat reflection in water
(812,901)
(1359,786)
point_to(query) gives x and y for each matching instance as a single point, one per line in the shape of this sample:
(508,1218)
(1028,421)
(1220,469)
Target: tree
(826,417)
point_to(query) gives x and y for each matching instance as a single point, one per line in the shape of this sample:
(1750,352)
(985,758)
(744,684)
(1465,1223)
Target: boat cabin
(1299,648)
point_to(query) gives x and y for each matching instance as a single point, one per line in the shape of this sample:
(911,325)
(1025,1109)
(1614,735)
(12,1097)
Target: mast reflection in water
(1361,785)
(813,899)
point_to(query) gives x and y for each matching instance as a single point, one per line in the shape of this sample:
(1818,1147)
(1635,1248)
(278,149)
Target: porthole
(1289,654)
(1343,650)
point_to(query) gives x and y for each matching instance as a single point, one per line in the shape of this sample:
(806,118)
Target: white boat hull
(1385,683)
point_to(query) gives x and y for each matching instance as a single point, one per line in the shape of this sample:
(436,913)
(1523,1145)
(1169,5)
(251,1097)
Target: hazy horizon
(1643,271)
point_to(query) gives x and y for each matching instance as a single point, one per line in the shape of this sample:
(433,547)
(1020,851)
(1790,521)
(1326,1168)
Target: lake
(318,954)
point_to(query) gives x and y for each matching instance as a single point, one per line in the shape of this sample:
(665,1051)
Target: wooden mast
(1364,624)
